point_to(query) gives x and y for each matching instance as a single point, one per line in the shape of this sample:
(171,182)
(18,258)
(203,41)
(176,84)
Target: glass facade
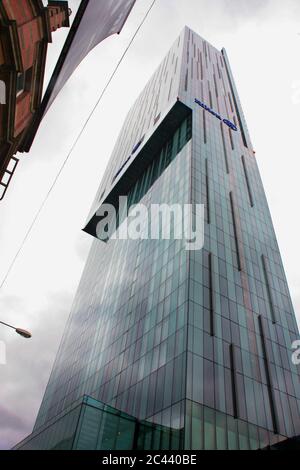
(95,426)
(186,349)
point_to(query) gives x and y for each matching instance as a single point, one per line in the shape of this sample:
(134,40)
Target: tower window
(186,80)
(2,92)
(204,127)
(247,181)
(24,81)
(207,191)
(224,148)
(21,78)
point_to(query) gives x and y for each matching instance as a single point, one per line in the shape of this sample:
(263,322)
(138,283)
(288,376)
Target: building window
(24,82)
(235,231)
(230,102)
(207,191)
(231,139)
(186,80)
(204,127)
(156,119)
(2,92)
(176,64)
(210,97)
(211,295)
(247,181)
(224,149)
(216,86)
(201,65)
(21,78)
(170,89)
(233,381)
(268,286)
(102,194)
(270,386)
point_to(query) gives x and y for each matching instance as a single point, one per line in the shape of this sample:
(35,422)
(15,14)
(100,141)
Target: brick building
(25,30)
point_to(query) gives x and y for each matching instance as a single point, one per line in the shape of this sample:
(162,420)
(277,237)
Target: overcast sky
(262,39)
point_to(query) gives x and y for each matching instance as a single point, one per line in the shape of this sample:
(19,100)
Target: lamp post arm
(6,324)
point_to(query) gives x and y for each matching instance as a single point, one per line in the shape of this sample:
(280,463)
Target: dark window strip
(247,181)
(230,102)
(208,50)
(264,264)
(102,194)
(233,382)
(188,133)
(268,376)
(176,65)
(170,89)
(166,76)
(235,232)
(186,80)
(207,192)
(231,139)
(219,71)
(179,140)
(216,87)
(211,295)
(210,99)
(204,127)
(205,50)
(156,119)
(225,149)
(201,65)
(236,107)
(226,107)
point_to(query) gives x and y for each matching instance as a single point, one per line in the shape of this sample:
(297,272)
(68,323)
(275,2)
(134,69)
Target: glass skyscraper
(167,348)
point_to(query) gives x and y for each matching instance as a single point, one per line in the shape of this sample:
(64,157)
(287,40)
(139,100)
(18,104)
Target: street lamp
(26,334)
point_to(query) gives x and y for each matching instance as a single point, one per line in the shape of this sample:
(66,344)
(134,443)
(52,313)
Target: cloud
(12,421)
(56,244)
(258,9)
(28,367)
(14,427)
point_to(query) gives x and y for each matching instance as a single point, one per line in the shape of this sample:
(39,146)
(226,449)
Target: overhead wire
(84,126)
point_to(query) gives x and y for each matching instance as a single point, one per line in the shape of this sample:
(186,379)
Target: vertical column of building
(253,206)
(231,283)
(237,209)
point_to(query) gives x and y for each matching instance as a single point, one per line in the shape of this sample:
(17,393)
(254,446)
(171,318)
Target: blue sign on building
(226,121)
